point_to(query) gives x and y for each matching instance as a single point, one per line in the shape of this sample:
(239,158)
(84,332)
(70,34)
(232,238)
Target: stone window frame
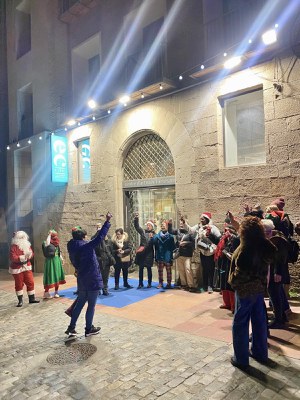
(222,101)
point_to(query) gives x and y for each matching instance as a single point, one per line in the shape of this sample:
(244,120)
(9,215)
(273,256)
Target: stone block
(287,107)
(293,123)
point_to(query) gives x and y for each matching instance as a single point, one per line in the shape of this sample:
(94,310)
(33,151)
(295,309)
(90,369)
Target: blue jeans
(83,297)
(251,307)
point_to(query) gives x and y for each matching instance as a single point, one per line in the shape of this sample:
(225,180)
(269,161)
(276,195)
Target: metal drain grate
(72,354)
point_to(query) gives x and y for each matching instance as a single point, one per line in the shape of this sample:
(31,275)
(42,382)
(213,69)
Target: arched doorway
(148,182)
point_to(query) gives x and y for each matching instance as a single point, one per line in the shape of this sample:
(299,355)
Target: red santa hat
(206,215)
(151,223)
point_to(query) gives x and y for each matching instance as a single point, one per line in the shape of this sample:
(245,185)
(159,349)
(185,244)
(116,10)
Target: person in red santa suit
(20,266)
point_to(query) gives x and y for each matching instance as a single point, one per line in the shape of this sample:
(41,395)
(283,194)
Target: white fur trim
(23,258)
(19,293)
(30,292)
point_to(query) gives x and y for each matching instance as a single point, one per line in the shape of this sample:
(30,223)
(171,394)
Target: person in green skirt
(53,270)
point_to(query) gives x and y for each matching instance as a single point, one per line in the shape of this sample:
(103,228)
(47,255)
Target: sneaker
(160,286)
(149,286)
(93,331)
(116,287)
(105,292)
(168,286)
(71,337)
(47,295)
(56,296)
(140,286)
(276,325)
(209,289)
(70,331)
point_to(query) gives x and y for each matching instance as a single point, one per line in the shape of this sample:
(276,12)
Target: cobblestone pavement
(132,361)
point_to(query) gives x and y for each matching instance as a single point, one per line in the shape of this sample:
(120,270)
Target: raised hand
(108,216)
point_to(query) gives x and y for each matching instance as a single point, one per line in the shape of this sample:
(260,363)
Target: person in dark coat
(145,258)
(89,281)
(223,254)
(121,249)
(248,277)
(105,259)
(164,246)
(185,245)
(279,275)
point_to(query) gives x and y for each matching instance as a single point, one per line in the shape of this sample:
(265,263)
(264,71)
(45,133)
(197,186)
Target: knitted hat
(280,203)
(78,232)
(150,223)
(206,215)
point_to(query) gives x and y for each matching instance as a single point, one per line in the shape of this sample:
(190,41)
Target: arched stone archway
(120,134)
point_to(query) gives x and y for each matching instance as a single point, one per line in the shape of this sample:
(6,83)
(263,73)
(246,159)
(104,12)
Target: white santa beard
(23,244)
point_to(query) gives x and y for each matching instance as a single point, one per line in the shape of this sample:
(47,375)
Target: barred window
(149,157)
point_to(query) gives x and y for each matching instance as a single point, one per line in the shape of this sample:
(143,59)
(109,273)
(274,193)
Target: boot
(32,299)
(20,299)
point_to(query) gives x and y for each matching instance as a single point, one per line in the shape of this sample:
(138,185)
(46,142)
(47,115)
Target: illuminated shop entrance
(149,183)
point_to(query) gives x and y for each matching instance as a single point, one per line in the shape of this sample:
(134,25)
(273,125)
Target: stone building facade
(191,120)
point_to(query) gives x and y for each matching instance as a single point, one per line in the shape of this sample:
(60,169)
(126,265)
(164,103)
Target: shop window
(84,161)
(244,129)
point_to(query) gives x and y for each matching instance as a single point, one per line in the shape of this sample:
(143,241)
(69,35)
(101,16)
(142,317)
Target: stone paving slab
(134,360)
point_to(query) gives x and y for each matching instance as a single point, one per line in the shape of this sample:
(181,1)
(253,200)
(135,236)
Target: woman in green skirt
(53,270)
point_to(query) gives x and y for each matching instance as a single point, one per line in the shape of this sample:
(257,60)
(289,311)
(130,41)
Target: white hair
(21,239)
(268,225)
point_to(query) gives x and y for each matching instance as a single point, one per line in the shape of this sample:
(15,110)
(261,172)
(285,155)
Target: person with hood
(185,243)
(248,277)
(53,270)
(20,267)
(207,238)
(145,257)
(164,245)
(121,249)
(89,281)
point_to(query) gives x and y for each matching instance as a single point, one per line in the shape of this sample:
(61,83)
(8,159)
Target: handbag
(140,249)
(125,258)
(175,254)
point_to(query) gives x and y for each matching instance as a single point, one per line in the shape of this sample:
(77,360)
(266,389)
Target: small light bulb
(225,54)
(180,77)
(66,128)
(78,124)
(108,111)
(160,86)
(40,137)
(202,66)
(18,144)
(94,117)
(7,148)
(250,41)
(142,95)
(29,141)
(125,104)
(276,25)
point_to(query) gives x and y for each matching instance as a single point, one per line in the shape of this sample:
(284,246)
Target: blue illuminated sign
(59,159)
(85,161)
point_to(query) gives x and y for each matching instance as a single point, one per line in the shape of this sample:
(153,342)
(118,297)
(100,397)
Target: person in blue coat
(164,245)
(89,281)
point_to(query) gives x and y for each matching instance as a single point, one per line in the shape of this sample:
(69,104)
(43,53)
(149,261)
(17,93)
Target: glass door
(155,204)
